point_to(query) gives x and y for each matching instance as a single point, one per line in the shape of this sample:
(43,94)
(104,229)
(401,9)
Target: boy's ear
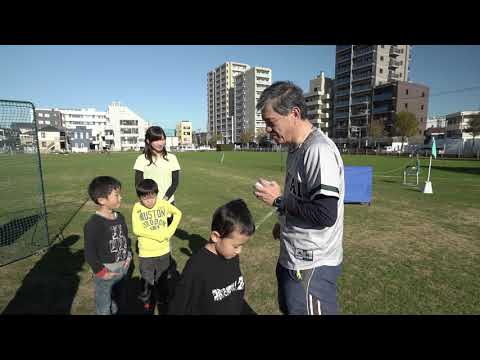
(215,236)
(101,200)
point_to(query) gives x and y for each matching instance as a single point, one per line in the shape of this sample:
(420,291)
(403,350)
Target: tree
(376,130)
(247,136)
(261,135)
(214,139)
(474,128)
(406,124)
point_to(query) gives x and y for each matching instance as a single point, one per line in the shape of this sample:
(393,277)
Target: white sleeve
(323,173)
(140,163)
(174,165)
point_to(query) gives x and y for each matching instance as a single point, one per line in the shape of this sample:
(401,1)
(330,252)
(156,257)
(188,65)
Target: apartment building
(458,122)
(358,69)
(436,122)
(319,101)
(184,133)
(89,118)
(220,93)
(125,130)
(394,97)
(248,88)
(52,117)
(51,139)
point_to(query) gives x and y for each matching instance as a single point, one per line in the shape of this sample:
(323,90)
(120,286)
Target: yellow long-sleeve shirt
(150,227)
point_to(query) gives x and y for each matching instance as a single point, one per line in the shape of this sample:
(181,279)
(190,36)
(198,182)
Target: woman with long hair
(156,164)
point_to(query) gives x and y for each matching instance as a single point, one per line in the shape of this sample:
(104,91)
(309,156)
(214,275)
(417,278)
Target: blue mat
(358,184)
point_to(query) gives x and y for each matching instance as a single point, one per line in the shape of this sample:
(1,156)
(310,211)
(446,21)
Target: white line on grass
(264,219)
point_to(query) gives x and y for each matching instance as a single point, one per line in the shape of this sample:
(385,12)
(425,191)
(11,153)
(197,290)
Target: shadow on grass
(463,170)
(51,285)
(195,241)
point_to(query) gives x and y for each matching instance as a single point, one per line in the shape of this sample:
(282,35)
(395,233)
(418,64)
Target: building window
(381,57)
(381,71)
(406,105)
(406,92)
(43,135)
(44,144)
(382,46)
(421,107)
(423,94)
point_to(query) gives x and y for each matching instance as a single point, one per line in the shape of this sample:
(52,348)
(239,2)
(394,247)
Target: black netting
(23,221)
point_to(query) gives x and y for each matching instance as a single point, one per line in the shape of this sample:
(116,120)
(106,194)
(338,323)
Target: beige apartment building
(184,133)
(220,93)
(319,101)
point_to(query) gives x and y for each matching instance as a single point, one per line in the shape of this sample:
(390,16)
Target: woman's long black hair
(154,133)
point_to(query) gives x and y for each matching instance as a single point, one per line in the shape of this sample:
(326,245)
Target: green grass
(407,253)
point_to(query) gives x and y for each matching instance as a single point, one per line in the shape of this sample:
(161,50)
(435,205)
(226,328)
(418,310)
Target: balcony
(342,70)
(342,92)
(361,100)
(395,63)
(394,76)
(395,50)
(361,88)
(363,64)
(360,113)
(384,96)
(341,48)
(382,109)
(342,81)
(361,77)
(342,59)
(363,51)
(341,115)
(341,104)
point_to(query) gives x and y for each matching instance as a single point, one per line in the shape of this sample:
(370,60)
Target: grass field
(407,253)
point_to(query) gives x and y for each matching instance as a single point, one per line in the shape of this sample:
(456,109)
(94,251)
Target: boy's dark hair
(283,96)
(232,216)
(101,187)
(146,186)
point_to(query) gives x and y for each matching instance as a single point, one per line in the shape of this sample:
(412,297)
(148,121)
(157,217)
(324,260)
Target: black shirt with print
(106,241)
(209,285)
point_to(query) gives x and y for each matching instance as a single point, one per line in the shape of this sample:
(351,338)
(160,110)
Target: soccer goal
(23,215)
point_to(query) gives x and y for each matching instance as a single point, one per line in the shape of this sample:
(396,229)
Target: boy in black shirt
(211,282)
(107,246)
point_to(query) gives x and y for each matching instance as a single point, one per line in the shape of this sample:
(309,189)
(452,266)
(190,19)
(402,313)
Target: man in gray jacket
(310,211)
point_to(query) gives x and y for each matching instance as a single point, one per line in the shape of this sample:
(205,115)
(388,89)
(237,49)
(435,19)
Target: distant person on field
(149,221)
(212,282)
(310,226)
(157,164)
(107,246)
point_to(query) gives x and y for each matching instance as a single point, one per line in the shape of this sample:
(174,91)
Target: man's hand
(268,191)
(276,231)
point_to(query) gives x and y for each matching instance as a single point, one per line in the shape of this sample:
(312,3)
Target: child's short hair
(146,186)
(232,216)
(101,187)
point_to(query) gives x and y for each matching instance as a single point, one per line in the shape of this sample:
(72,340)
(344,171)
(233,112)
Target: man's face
(277,125)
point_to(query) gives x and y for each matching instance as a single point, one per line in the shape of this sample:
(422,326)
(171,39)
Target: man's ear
(215,236)
(297,113)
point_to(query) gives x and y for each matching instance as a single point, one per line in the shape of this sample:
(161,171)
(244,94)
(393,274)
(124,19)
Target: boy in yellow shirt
(149,221)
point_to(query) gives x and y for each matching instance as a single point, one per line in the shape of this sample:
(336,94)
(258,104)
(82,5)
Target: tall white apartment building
(319,101)
(91,119)
(125,129)
(220,92)
(248,88)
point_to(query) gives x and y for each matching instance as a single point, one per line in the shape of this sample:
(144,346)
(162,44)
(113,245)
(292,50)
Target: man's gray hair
(283,96)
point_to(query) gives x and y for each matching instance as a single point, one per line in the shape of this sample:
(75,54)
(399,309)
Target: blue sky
(166,84)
